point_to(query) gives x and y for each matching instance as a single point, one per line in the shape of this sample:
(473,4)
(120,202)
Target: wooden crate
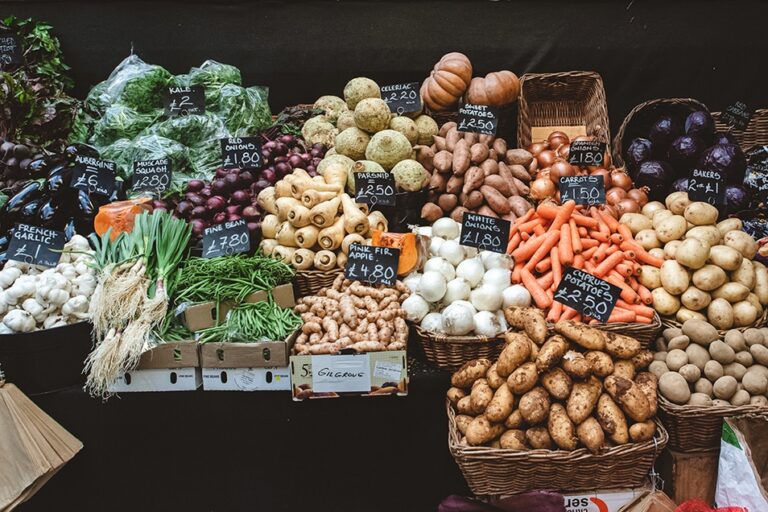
(691,475)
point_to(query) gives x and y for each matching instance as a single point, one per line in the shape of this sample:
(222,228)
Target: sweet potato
(481,431)
(452,138)
(501,405)
(531,320)
(439,143)
(561,429)
(551,353)
(447,126)
(629,396)
(521,186)
(583,399)
(490,167)
(487,211)
(519,205)
(495,200)
(538,438)
(454,184)
(583,335)
(438,182)
(465,376)
(458,213)
(500,146)
(557,383)
(473,179)
(471,137)
(516,352)
(500,184)
(513,439)
(492,155)
(518,156)
(520,172)
(612,419)
(443,161)
(534,406)
(478,153)
(431,212)
(576,365)
(425,156)
(486,139)
(461,160)
(447,202)
(472,200)
(523,379)
(591,435)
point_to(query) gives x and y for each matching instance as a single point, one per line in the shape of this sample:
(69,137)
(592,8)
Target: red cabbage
(639,151)
(724,138)
(657,176)
(728,159)
(680,185)
(663,132)
(684,152)
(701,124)
(737,198)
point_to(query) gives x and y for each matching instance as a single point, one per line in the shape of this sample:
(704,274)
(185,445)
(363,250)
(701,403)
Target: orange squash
(413,250)
(496,89)
(447,82)
(120,215)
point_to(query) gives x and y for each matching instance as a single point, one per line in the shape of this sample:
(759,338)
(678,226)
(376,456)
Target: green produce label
(402,98)
(373,265)
(35,245)
(183,101)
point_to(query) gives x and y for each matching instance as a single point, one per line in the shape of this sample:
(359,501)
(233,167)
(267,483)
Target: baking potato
(674,388)
(642,359)
(720,403)
(674,277)
(761,282)
(465,376)
(455,394)
(501,406)
(621,346)
(650,277)
(462,422)
(729,224)
(679,342)
(676,359)
(557,383)
(551,353)
(538,438)
(513,440)
(700,332)
(671,228)
(684,314)
(732,292)
(760,354)
(515,353)
(703,386)
(677,202)
(576,365)
(652,207)
(697,355)
(612,419)
(708,233)
(480,396)
(744,313)
(636,222)
(720,314)
(760,401)
(664,302)
(692,253)
(602,364)
(670,249)
(745,358)
(494,379)
(713,370)
(464,406)
(721,352)
(515,420)
(700,213)
(745,274)
(641,432)
(647,239)
(725,257)
(534,406)
(523,379)
(624,368)
(724,387)
(755,382)
(496,443)
(561,429)
(753,336)
(583,399)
(583,335)
(690,373)
(695,299)
(658,368)
(741,397)
(659,216)
(481,431)
(591,435)
(742,242)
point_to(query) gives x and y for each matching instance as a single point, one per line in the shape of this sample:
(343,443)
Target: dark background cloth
(208,451)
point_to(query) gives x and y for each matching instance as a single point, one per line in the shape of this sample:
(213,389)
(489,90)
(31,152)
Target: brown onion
(606,176)
(542,188)
(546,158)
(627,205)
(557,139)
(610,210)
(564,151)
(640,195)
(537,147)
(533,166)
(614,195)
(583,137)
(621,179)
(559,169)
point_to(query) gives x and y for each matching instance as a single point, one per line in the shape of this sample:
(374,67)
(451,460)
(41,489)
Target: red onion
(231,181)
(219,187)
(240,197)
(245,179)
(198,227)
(200,212)
(195,185)
(251,213)
(184,208)
(233,217)
(195,199)
(221,172)
(216,203)
(234,208)
(219,218)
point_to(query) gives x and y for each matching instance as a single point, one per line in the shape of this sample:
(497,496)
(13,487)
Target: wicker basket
(638,121)
(573,98)
(755,134)
(698,428)
(494,471)
(644,333)
(309,282)
(450,352)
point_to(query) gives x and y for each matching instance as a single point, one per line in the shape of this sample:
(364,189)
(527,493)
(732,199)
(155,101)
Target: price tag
(152,175)
(589,295)
(387,370)
(341,373)
(582,189)
(707,186)
(373,265)
(94,175)
(585,153)
(38,246)
(402,98)
(228,238)
(756,176)
(242,152)
(10,49)
(478,118)
(375,188)
(737,115)
(183,101)
(485,233)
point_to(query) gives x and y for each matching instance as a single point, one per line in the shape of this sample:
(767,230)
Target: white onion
(433,322)
(516,295)
(486,298)
(415,308)
(467,305)
(457,320)
(502,320)
(438,264)
(445,227)
(452,252)
(434,245)
(501,278)
(472,270)
(470,252)
(412,281)
(457,289)
(424,230)
(486,324)
(432,286)
(495,260)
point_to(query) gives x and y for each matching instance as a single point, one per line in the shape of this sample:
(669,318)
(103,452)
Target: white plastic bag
(743,457)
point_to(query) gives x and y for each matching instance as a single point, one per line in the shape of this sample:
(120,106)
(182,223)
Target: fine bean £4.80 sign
(587,294)
(35,245)
(375,188)
(371,264)
(152,175)
(227,238)
(484,233)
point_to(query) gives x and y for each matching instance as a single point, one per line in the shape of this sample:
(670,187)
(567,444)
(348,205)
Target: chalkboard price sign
(481,119)
(37,246)
(94,175)
(10,49)
(373,265)
(708,186)
(582,189)
(587,294)
(756,176)
(227,238)
(402,98)
(737,115)
(375,188)
(484,233)
(152,175)
(585,153)
(242,152)
(183,101)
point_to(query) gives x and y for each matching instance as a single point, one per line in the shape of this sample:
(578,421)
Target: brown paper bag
(33,447)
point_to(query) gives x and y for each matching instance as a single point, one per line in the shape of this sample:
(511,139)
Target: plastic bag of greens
(133,83)
(190,130)
(120,153)
(213,76)
(245,111)
(121,122)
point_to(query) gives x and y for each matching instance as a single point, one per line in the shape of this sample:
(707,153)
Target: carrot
(547,210)
(616,238)
(568,313)
(645,295)
(522,220)
(516,278)
(601,225)
(613,224)
(625,232)
(589,253)
(557,269)
(528,226)
(622,268)
(526,250)
(627,293)
(539,229)
(619,315)
(643,320)
(514,241)
(554,312)
(600,253)
(566,210)
(565,246)
(589,266)
(600,236)
(641,254)
(630,255)
(583,233)
(611,249)
(537,293)
(575,238)
(578,261)
(546,280)
(550,240)
(583,220)
(544,265)
(588,243)
(525,236)
(616,275)
(639,309)
(634,284)
(609,263)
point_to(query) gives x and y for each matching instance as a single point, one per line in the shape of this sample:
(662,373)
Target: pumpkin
(496,89)
(413,249)
(447,82)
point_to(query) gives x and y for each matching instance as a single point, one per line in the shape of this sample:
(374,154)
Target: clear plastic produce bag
(133,83)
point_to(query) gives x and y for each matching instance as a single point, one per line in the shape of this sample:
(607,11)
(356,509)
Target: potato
(481,431)
(697,355)
(753,336)
(642,359)
(755,382)
(624,368)
(671,228)
(465,376)
(670,249)
(695,299)
(684,314)
(561,429)
(700,213)
(513,440)
(755,301)
(661,345)
(745,274)
(515,420)
(742,242)
(710,234)
(677,202)
(494,444)
(647,239)
(725,257)
(538,438)
(601,363)
(612,419)
(659,216)
(735,340)
(551,352)
(494,379)
(720,314)
(480,396)
(671,332)
(583,399)
(760,401)
(713,370)
(744,314)
(575,364)
(641,432)
(676,359)
(648,384)
(709,277)
(523,379)
(700,399)
(664,302)
(724,387)
(721,352)
(557,383)
(464,406)
(759,353)
(591,435)
(719,402)
(674,277)
(674,388)
(703,386)
(636,222)
(650,277)
(745,358)
(692,253)
(621,346)
(679,342)
(700,332)
(658,368)
(455,394)
(462,422)
(741,397)
(534,406)
(729,225)
(690,373)
(531,320)
(501,406)
(652,207)
(515,353)
(761,282)
(630,397)
(732,292)
(583,335)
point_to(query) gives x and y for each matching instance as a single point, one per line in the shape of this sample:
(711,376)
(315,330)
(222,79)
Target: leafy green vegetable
(120,121)
(146,92)
(213,76)
(191,130)
(246,111)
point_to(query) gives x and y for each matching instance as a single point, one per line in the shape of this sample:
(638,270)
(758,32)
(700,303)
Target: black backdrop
(234,451)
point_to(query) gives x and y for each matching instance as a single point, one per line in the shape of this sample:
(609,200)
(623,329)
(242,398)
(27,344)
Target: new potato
(674,277)
(692,253)
(725,257)
(709,277)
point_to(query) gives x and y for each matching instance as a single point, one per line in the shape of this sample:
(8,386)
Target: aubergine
(85,206)
(78,149)
(28,214)
(31,191)
(69,229)
(49,213)
(59,178)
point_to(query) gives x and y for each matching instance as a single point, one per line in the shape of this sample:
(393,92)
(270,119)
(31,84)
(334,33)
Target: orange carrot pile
(551,237)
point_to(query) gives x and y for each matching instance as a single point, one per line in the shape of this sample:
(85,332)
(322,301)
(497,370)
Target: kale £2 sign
(183,101)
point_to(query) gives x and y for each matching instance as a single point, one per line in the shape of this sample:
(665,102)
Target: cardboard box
(202,316)
(166,367)
(264,354)
(247,379)
(335,375)
(542,132)
(690,475)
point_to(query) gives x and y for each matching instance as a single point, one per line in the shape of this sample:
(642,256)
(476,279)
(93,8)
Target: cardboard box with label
(166,367)
(335,375)
(202,316)
(259,366)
